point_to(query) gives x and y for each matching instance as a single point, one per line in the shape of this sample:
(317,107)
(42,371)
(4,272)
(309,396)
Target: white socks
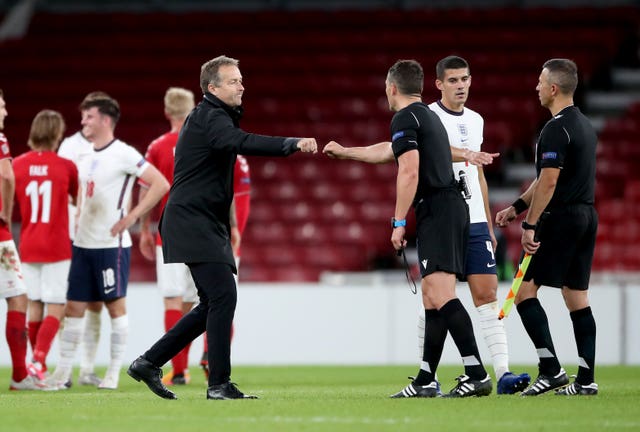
(69,341)
(495,337)
(119,333)
(90,341)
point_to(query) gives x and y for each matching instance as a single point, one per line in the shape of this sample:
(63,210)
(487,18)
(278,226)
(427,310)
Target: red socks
(47,333)
(181,360)
(33,327)
(16,334)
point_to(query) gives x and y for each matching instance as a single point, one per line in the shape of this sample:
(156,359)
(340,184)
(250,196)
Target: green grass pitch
(323,398)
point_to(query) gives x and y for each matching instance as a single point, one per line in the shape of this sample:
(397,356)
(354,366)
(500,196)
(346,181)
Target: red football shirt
(242,193)
(5,153)
(44,182)
(161,154)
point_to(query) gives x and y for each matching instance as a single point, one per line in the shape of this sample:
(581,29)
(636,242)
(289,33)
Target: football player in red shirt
(44,182)
(12,287)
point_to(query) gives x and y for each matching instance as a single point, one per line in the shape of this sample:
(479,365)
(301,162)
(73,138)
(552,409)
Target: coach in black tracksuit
(195,225)
(564,190)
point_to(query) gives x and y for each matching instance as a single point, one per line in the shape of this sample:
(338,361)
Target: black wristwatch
(528,226)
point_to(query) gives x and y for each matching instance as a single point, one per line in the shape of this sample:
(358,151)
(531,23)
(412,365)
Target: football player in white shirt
(465,130)
(75,148)
(101,249)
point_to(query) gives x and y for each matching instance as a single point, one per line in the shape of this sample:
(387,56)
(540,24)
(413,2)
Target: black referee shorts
(567,241)
(442,222)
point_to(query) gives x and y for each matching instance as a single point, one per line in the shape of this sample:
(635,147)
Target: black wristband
(519,205)
(528,226)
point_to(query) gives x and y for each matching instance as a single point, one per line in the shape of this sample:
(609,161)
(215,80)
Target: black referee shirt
(568,141)
(416,127)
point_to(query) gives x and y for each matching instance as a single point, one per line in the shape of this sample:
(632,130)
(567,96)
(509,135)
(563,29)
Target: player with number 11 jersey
(44,182)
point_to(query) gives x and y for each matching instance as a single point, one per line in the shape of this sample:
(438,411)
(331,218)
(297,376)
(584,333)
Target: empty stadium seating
(321,74)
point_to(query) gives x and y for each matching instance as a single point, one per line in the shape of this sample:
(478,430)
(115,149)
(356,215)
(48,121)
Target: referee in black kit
(564,190)
(425,180)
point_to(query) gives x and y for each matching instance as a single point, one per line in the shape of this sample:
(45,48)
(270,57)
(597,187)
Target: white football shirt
(465,130)
(75,148)
(107,177)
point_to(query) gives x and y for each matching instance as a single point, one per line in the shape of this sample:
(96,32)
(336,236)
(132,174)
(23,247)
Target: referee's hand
(333,150)
(529,244)
(397,238)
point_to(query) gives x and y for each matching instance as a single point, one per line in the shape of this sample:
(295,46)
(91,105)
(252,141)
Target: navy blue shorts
(480,256)
(98,274)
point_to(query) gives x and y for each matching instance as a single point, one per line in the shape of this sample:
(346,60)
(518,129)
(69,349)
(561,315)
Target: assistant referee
(564,192)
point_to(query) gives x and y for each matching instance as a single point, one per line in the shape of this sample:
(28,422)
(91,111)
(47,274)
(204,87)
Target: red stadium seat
(632,191)
(328,82)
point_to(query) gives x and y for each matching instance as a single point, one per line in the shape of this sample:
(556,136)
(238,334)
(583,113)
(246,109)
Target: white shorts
(47,282)
(11,281)
(174,279)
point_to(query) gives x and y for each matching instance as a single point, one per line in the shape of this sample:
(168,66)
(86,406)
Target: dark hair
(408,76)
(450,62)
(209,71)
(563,73)
(106,105)
(1,93)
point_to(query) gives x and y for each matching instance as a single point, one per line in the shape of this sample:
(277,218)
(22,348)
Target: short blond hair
(178,102)
(46,131)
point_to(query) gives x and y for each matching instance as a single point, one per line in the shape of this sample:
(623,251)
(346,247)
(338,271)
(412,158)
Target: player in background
(102,246)
(174,279)
(76,148)
(465,130)
(241,202)
(238,217)
(45,183)
(12,287)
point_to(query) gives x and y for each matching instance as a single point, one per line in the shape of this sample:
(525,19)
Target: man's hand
(504,217)
(147,245)
(529,245)
(308,145)
(235,240)
(333,150)
(122,224)
(480,158)
(397,238)
(494,241)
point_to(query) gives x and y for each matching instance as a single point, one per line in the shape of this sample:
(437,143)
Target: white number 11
(33,191)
